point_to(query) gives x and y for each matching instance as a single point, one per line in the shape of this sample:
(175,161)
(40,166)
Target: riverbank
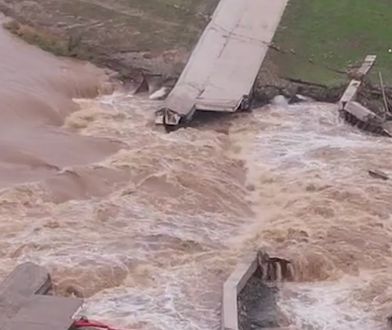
(127,36)
(156,37)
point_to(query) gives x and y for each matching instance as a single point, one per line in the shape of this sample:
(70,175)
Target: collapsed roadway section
(224,65)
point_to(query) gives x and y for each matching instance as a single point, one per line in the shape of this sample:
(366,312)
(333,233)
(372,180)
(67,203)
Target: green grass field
(334,33)
(314,33)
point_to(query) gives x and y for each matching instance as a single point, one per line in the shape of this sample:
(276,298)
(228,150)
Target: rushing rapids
(147,225)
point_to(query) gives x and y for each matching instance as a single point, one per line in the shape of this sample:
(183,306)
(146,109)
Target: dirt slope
(155,35)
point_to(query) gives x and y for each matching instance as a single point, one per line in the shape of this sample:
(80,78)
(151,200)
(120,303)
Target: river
(147,225)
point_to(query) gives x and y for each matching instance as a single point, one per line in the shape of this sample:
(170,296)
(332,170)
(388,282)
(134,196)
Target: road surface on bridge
(223,67)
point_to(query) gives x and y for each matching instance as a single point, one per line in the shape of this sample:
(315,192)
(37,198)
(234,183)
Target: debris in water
(377,174)
(160,94)
(258,301)
(274,269)
(357,114)
(299,98)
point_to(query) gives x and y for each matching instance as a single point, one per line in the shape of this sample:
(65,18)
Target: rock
(298,98)
(279,100)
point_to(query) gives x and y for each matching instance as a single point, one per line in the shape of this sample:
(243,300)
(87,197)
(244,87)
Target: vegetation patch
(321,39)
(318,41)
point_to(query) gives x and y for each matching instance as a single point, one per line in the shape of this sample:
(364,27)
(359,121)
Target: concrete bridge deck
(25,305)
(223,67)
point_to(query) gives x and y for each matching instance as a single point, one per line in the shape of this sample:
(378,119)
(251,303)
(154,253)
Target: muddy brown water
(147,226)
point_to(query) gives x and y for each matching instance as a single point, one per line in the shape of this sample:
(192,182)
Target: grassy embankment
(110,32)
(334,33)
(315,33)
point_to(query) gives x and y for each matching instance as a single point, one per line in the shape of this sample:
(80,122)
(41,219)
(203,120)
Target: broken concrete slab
(357,114)
(274,269)
(258,306)
(352,89)
(350,93)
(25,281)
(23,304)
(362,113)
(267,269)
(45,313)
(232,287)
(366,66)
(360,116)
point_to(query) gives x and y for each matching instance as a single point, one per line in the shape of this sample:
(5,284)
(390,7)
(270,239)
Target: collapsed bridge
(224,65)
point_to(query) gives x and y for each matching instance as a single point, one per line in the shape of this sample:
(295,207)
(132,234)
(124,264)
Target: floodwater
(147,225)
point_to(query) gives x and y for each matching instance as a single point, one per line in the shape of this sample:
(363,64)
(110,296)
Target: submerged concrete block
(232,287)
(365,119)
(25,281)
(352,89)
(45,313)
(350,93)
(23,304)
(362,113)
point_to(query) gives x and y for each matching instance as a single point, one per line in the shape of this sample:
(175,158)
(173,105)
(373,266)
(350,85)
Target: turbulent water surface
(147,225)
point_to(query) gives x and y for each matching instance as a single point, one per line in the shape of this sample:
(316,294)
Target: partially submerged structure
(253,283)
(223,67)
(25,302)
(357,114)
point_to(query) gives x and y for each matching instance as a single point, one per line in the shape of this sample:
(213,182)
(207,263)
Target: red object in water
(84,323)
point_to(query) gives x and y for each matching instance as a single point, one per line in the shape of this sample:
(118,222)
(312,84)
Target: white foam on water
(327,306)
(316,205)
